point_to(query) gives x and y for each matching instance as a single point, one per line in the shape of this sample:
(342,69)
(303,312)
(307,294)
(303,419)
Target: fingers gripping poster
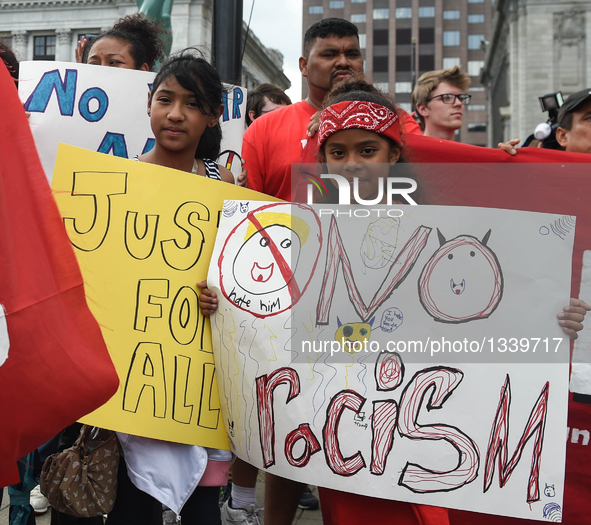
(143,236)
(105,110)
(414,356)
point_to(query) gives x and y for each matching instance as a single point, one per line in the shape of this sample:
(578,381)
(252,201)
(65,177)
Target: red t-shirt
(344,508)
(271,144)
(276,140)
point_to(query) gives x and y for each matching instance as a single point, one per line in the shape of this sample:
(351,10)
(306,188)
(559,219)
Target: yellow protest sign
(143,236)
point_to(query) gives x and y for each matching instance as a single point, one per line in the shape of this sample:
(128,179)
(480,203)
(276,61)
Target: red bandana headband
(358,115)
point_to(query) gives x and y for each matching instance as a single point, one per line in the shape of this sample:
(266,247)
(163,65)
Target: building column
(20,41)
(63,50)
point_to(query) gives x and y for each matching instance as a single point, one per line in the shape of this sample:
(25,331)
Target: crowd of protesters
(278,135)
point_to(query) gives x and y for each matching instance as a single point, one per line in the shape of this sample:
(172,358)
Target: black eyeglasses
(449,98)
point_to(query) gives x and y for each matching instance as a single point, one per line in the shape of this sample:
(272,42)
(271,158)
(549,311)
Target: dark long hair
(194,73)
(10,61)
(143,37)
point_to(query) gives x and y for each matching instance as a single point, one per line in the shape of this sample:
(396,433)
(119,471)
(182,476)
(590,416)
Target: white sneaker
(39,502)
(247,516)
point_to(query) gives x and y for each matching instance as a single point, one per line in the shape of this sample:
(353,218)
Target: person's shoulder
(226,175)
(265,127)
(270,120)
(281,114)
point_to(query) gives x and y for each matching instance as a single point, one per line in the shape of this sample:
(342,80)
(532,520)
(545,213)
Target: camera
(546,131)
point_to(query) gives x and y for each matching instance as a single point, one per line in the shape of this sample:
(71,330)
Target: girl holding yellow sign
(185,106)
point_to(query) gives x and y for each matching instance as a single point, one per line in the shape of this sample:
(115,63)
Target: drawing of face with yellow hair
(269,257)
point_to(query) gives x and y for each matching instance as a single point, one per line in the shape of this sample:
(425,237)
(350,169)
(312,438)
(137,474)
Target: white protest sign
(423,361)
(104,109)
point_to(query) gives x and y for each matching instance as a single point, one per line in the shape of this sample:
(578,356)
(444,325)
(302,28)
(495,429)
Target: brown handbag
(82,480)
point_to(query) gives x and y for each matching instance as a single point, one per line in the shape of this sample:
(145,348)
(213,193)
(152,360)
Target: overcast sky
(278,24)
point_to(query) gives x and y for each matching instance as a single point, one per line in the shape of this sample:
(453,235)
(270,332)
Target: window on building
(477,126)
(477,107)
(451,38)
(6,40)
(476,1)
(382,86)
(403,63)
(476,88)
(426,35)
(405,106)
(362,40)
(381,14)
(474,41)
(315,10)
(403,87)
(475,19)
(449,62)
(403,12)
(358,18)
(380,37)
(474,67)
(426,12)
(403,36)
(426,62)
(336,4)
(358,1)
(44,48)
(380,64)
(451,15)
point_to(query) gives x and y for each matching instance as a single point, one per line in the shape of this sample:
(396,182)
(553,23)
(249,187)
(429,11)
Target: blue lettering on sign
(114,142)
(65,91)
(149,145)
(236,102)
(103,103)
(226,113)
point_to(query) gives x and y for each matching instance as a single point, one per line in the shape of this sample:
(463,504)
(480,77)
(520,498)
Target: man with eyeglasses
(439,98)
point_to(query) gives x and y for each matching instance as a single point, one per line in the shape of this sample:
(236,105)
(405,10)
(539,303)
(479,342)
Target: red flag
(58,368)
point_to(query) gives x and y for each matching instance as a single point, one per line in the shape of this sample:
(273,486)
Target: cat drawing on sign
(549,490)
(244,207)
(462,281)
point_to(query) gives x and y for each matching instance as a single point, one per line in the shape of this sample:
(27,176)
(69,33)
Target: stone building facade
(537,47)
(50,29)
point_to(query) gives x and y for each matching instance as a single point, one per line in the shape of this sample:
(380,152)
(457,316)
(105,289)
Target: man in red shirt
(276,140)
(271,144)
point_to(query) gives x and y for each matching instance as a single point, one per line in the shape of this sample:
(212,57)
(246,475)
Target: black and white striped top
(212,169)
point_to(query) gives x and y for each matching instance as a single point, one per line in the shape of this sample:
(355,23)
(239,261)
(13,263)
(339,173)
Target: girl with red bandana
(360,137)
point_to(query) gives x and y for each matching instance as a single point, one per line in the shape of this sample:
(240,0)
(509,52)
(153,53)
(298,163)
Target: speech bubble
(391,319)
